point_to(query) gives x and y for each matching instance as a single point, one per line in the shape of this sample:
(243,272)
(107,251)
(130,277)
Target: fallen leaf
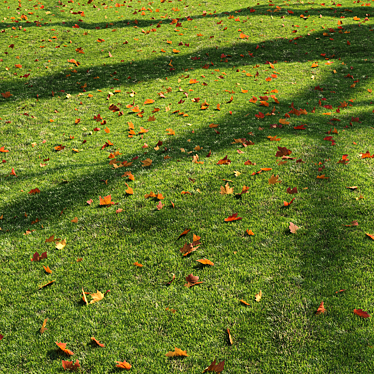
(37,257)
(258,296)
(75,220)
(226,190)
(61,245)
(68,365)
(321,309)
(177,352)
(47,284)
(216,368)
(123,365)
(107,200)
(129,190)
(293,228)
(147,162)
(62,346)
(229,336)
(138,265)
(97,342)
(274,179)
(42,329)
(361,313)
(234,217)
(244,302)
(84,296)
(192,280)
(249,232)
(205,262)
(185,232)
(47,269)
(96,297)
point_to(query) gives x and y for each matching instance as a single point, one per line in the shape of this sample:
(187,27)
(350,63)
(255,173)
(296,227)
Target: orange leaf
(170,132)
(285,203)
(47,269)
(138,265)
(149,101)
(253,100)
(62,346)
(370,235)
(249,232)
(69,365)
(293,228)
(106,200)
(205,262)
(177,352)
(185,232)
(244,302)
(107,130)
(123,365)
(42,329)
(361,313)
(3,150)
(322,177)
(321,309)
(75,220)
(234,217)
(97,342)
(129,190)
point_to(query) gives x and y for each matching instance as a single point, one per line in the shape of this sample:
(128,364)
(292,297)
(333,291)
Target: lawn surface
(166,90)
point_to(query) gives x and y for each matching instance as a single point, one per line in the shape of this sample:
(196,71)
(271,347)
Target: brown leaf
(216,368)
(147,162)
(274,179)
(185,232)
(192,280)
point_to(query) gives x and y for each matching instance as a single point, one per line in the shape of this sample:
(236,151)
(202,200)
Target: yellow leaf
(274,179)
(226,190)
(96,297)
(61,245)
(84,296)
(258,296)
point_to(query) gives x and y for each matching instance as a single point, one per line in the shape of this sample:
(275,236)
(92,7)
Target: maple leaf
(96,297)
(129,190)
(234,217)
(159,205)
(42,329)
(321,309)
(224,161)
(293,228)
(195,160)
(283,151)
(36,256)
(274,179)
(70,366)
(123,365)
(216,368)
(205,262)
(147,162)
(3,150)
(249,232)
(47,269)
(97,342)
(177,352)
(292,191)
(185,232)
(149,101)
(258,296)
(107,200)
(34,191)
(361,313)
(62,346)
(61,245)
(226,190)
(192,280)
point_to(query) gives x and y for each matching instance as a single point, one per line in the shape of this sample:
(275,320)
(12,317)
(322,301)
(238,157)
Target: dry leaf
(321,309)
(69,365)
(75,220)
(216,368)
(47,284)
(84,296)
(361,313)
(244,302)
(205,262)
(177,352)
(192,280)
(293,228)
(42,329)
(147,162)
(230,338)
(61,245)
(96,297)
(226,190)
(274,179)
(123,365)
(47,269)
(258,296)
(97,342)
(62,346)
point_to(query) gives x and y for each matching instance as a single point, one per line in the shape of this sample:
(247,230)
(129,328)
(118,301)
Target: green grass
(295,272)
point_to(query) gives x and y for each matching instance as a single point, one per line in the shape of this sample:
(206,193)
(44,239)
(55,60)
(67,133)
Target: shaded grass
(294,272)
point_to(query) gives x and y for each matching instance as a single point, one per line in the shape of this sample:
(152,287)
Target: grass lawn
(186,113)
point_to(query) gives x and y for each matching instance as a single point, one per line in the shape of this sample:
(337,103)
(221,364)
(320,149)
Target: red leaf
(234,217)
(361,313)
